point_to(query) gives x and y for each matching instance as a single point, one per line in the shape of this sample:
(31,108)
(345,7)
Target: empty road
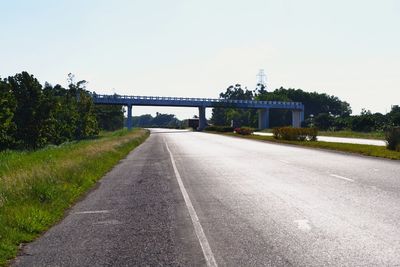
(195,199)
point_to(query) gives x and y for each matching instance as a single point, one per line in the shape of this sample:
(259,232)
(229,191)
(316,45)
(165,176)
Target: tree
(86,124)
(365,122)
(315,103)
(164,120)
(63,119)
(241,117)
(145,120)
(160,120)
(28,117)
(7,109)
(109,117)
(324,121)
(277,117)
(394,115)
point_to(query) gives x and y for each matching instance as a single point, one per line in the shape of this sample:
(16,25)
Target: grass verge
(37,187)
(351,134)
(366,150)
(348,134)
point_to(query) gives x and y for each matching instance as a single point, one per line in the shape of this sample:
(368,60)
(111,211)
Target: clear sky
(348,48)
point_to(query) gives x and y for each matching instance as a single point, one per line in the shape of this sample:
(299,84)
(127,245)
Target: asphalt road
(195,199)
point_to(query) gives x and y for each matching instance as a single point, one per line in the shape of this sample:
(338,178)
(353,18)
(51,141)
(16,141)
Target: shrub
(296,134)
(221,129)
(244,130)
(393,138)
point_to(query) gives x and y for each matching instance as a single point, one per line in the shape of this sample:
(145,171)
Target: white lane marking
(205,246)
(109,222)
(376,170)
(303,225)
(341,177)
(284,161)
(92,212)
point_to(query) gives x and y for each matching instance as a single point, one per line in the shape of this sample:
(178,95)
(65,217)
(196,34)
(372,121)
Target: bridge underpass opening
(181,113)
(264,107)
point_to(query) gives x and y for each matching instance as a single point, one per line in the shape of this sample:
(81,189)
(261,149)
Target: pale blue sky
(350,49)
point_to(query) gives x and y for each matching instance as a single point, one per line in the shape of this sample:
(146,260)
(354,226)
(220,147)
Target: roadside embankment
(37,187)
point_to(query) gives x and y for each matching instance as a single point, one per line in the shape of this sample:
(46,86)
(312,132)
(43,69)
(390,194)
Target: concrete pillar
(297,118)
(263,118)
(202,119)
(129,119)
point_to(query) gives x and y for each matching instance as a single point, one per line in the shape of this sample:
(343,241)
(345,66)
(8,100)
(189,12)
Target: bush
(296,134)
(244,130)
(220,129)
(393,138)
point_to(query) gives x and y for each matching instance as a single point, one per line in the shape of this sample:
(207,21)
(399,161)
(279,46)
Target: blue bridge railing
(191,102)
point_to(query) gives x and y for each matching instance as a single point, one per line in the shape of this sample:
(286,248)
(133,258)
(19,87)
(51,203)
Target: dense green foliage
(225,116)
(295,134)
(109,117)
(7,109)
(365,122)
(160,120)
(321,110)
(314,103)
(393,138)
(220,129)
(37,187)
(33,116)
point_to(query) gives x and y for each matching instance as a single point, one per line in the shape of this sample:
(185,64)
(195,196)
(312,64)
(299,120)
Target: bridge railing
(218,100)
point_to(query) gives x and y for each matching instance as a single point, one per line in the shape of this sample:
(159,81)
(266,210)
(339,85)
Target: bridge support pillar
(129,123)
(202,119)
(263,118)
(297,118)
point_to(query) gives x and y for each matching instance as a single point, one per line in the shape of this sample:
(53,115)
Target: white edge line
(205,246)
(341,177)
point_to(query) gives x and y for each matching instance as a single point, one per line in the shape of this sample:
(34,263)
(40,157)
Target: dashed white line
(205,246)
(303,225)
(284,161)
(341,177)
(92,212)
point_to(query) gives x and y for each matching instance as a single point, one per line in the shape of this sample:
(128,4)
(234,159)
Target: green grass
(346,133)
(37,187)
(366,150)
(351,134)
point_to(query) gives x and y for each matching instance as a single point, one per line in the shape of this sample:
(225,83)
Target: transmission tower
(262,79)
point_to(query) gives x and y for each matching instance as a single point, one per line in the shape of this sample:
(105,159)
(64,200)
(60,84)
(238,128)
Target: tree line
(34,115)
(160,120)
(326,112)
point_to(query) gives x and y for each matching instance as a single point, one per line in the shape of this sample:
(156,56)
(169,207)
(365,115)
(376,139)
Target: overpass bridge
(263,107)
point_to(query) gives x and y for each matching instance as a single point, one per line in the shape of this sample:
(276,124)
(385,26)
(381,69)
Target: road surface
(196,199)
(360,141)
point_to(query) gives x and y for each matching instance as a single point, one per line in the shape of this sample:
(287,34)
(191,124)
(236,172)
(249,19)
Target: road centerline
(92,212)
(341,177)
(205,246)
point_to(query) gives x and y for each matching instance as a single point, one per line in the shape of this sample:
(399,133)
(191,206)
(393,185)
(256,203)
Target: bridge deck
(192,102)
